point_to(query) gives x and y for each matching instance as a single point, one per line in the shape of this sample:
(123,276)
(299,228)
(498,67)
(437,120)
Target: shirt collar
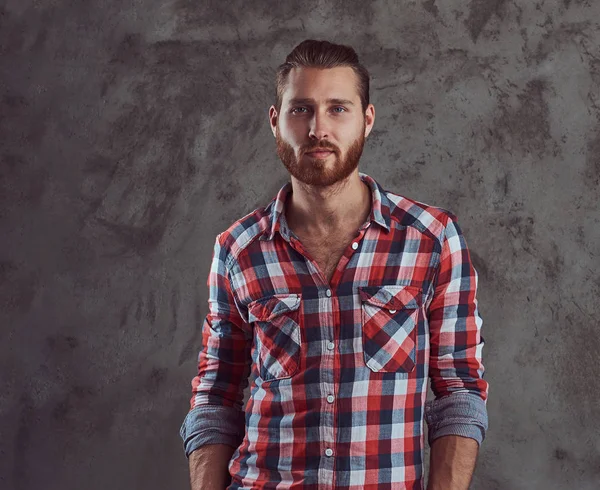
(380,208)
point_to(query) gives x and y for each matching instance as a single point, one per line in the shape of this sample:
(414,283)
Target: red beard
(315,171)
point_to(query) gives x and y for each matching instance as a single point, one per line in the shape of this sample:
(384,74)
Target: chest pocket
(390,316)
(278,341)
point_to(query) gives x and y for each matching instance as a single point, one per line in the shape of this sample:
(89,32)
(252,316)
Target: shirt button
(328,293)
(392,311)
(330,398)
(354,246)
(330,345)
(329,451)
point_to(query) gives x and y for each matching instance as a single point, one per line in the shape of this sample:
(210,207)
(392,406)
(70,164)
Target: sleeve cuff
(212,424)
(461,414)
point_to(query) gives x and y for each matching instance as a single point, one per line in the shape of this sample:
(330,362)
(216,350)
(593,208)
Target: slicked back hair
(322,54)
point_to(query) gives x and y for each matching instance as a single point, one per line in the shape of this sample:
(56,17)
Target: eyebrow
(298,101)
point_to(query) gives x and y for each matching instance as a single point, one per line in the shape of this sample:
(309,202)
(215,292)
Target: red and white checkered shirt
(338,371)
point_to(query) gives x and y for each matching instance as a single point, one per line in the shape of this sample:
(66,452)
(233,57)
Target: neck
(320,211)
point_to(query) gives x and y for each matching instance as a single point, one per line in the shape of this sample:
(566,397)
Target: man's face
(321,110)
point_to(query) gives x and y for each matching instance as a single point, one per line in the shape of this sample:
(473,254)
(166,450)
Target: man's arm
(209,467)
(452,462)
(215,424)
(457,417)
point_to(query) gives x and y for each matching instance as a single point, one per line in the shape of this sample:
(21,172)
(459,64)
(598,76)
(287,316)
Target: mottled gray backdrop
(133,132)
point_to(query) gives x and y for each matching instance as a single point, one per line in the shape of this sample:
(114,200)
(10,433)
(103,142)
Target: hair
(322,54)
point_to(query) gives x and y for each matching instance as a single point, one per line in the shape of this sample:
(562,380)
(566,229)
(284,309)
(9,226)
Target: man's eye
(298,109)
(341,109)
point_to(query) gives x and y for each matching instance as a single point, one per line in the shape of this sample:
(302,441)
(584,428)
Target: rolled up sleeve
(216,414)
(456,370)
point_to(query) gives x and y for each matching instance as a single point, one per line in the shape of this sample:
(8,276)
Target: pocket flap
(391,297)
(264,309)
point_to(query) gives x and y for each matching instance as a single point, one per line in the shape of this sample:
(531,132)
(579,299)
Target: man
(342,299)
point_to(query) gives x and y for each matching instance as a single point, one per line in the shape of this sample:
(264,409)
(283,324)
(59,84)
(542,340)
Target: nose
(318,127)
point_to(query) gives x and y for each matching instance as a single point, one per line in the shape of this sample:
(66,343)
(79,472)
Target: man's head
(322,103)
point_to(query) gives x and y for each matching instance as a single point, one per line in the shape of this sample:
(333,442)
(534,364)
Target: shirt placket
(328,391)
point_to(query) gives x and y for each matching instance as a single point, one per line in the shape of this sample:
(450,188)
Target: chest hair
(327,252)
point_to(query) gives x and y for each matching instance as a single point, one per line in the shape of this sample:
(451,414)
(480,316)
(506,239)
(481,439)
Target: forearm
(209,467)
(452,462)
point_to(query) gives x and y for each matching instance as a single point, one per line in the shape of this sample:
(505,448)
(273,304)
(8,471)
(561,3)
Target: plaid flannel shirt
(338,371)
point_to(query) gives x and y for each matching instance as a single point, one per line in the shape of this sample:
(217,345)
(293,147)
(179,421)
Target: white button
(330,345)
(328,293)
(330,398)
(329,451)
(392,311)
(354,246)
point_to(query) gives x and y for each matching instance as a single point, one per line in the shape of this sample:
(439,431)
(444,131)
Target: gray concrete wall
(133,132)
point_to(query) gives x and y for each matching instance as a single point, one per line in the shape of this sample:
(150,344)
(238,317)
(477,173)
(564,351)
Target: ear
(273,119)
(369,119)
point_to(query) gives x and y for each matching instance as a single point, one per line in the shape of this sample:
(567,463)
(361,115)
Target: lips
(322,153)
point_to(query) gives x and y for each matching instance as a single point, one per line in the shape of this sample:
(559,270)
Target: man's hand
(452,462)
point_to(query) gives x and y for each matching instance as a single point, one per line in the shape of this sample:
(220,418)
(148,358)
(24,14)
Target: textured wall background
(133,132)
